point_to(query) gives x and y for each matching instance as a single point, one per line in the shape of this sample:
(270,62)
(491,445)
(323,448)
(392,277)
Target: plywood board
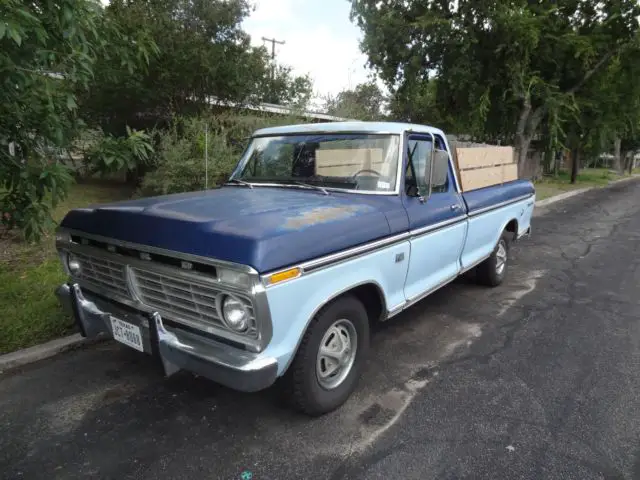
(486,177)
(345,162)
(483,157)
(510,173)
(480,178)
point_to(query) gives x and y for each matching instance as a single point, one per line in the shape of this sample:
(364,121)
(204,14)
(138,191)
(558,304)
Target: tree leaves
(494,61)
(48,51)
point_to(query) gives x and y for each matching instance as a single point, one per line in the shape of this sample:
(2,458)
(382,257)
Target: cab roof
(351,127)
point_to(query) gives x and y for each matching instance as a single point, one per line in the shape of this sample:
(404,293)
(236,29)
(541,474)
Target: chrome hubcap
(501,257)
(336,354)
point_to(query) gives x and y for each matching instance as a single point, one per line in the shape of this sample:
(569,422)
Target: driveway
(539,378)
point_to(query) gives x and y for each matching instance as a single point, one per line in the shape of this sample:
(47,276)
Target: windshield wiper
(235,181)
(314,187)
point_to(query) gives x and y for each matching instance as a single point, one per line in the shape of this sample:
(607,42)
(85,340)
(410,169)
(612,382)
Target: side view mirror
(436,175)
(440,168)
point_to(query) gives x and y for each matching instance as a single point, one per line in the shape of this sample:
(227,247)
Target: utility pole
(273,42)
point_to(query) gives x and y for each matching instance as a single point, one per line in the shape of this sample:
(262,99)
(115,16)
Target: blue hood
(266,228)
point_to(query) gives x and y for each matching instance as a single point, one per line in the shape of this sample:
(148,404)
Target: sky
(320,40)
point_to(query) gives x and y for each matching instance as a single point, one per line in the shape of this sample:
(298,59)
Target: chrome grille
(102,275)
(183,299)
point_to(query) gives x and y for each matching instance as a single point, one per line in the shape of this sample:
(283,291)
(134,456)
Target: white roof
(355,126)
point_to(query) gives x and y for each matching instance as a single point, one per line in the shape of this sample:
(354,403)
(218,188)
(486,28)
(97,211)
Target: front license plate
(127,333)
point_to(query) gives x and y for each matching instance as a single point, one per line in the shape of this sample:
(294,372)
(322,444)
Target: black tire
(301,382)
(488,272)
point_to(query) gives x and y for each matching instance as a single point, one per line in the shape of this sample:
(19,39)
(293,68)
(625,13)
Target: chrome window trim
(331,189)
(451,163)
(326,132)
(255,291)
(401,146)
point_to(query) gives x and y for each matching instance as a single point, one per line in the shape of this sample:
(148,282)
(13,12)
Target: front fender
(294,303)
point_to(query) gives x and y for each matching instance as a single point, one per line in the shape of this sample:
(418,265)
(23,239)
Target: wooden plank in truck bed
(486,177)
(483,157)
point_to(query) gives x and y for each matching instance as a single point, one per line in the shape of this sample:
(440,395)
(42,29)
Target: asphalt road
(537,379)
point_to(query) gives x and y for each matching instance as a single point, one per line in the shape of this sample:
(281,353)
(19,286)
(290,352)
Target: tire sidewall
(321,399)
(499,277)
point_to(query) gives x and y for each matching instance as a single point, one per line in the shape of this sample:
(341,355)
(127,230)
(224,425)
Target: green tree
(48,50)
(203,53)
(365,102)
(502,67)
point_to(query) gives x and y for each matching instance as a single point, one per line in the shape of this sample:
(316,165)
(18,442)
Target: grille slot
(183,299)
(102,275)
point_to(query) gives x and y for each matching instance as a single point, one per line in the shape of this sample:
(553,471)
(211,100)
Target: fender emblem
(186,265)
(399,257)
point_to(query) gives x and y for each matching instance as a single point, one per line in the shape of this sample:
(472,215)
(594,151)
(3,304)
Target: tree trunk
(575,164)
(522,148)
(632,161)
(624,161)
(549,155)
(617,165)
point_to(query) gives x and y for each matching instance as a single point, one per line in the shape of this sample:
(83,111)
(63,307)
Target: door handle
(455,207)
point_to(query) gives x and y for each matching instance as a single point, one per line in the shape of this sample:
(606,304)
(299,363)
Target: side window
(416,176)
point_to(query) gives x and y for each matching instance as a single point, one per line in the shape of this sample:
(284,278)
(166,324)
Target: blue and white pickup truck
(321,230)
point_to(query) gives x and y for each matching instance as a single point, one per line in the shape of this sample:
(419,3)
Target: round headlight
(74,264)
(235,314)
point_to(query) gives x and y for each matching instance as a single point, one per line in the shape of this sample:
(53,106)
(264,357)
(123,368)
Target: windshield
(363,162)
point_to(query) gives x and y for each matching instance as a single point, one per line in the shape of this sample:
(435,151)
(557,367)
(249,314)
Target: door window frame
(436,141)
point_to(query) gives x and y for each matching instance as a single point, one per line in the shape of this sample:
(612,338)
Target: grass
(591,177)
(29,273)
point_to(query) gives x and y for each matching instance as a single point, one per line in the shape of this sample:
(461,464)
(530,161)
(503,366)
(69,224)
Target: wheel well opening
(512,227)
(372,299)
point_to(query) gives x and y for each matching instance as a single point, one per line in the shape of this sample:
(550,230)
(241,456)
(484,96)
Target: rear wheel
(493,270)
(328,362)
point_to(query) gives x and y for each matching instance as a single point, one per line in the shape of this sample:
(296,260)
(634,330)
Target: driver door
(437,221)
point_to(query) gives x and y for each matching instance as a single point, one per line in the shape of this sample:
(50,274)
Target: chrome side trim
(474,264)
(417,298)
(500,205)
(161,251)
(526,233)
(437,226)
(350,253)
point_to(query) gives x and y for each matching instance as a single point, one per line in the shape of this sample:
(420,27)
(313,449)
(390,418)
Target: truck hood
(266,228)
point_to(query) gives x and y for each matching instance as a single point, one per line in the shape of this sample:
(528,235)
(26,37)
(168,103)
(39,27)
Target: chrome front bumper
(177,349)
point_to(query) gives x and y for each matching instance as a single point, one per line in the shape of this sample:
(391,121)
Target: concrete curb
(573,193)
(43,351)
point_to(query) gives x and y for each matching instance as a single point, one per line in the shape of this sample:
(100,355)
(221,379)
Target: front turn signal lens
(283,276)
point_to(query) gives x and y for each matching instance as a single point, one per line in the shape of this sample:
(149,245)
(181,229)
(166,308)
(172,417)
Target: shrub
(111,154)
(180,159)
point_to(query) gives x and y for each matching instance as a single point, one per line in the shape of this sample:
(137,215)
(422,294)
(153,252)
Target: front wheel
(328,362)
(493,270)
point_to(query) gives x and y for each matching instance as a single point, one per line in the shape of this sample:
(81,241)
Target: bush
(180,159)
(120,154)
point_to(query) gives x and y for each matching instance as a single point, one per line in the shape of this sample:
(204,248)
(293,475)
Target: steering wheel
(366,170)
